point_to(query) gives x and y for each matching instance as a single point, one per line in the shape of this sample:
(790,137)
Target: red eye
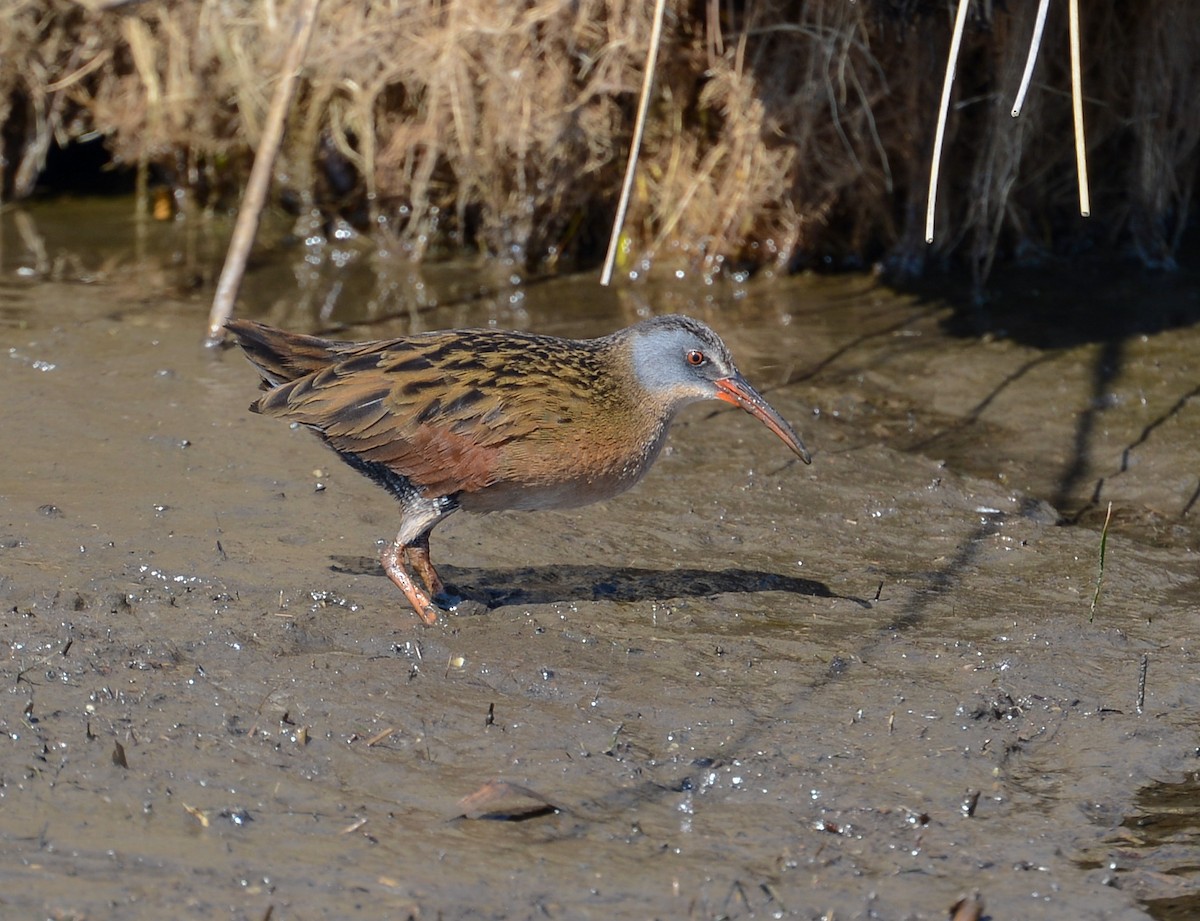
(696,358)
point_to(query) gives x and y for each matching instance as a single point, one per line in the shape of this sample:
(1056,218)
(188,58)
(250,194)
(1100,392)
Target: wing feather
(438,409)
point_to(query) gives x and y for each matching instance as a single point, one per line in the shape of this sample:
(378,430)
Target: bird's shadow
(548,584)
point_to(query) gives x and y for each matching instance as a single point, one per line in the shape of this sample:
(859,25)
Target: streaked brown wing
(438,409)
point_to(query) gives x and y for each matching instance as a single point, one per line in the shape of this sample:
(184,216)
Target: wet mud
(745,689)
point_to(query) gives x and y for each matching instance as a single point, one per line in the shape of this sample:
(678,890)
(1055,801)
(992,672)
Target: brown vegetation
(782,132)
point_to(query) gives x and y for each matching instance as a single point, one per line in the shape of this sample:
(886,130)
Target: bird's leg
(411,548)
(417,556)
(393,564)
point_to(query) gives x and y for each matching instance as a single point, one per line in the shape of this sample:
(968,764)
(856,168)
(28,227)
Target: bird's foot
(392,561)
(417,556)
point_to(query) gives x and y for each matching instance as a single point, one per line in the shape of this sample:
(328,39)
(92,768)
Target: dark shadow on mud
(549,584)
(937,583)
(1097,301)
(1066,304)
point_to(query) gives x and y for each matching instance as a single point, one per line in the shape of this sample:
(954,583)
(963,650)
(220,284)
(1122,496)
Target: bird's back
(507,420)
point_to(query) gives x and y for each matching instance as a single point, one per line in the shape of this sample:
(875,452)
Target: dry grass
(782,132)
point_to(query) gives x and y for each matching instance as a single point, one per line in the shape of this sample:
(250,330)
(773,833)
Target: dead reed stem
(255,196)
(960,20)
(1085,202)
(1035,43)
(635,145)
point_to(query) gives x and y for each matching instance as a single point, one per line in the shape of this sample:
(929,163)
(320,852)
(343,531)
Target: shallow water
(749,688)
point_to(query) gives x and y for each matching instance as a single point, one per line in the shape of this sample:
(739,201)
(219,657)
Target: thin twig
(1034,44)
(960,22)
(635,145)
(1141,690)
(1085,203)
(1100,573)
(260,176)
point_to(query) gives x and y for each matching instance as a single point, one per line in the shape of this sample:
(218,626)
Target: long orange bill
(737,390)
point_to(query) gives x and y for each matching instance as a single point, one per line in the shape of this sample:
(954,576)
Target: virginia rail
(484,420)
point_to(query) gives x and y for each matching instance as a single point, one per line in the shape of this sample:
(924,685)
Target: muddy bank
(751,688)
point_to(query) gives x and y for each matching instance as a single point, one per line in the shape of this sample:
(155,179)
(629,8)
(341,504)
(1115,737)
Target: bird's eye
(696,358)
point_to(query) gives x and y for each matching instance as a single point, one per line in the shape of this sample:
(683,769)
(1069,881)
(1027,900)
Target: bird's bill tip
(737,390)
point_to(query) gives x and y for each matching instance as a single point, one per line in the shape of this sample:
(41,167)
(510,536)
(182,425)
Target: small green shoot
(1100,573)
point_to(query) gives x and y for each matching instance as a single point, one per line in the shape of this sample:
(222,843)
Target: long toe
(418,559)
(392,562)
(428,615)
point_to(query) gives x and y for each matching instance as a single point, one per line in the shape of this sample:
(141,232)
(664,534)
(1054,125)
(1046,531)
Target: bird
(486,420)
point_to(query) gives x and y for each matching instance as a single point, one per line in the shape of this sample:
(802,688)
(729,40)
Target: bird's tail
(279,355)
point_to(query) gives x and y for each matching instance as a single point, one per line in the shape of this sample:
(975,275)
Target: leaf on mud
(118,755)
(968,908)
(196,814)
(501,801)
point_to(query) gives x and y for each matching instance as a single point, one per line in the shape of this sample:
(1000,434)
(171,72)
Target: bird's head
(678,360)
